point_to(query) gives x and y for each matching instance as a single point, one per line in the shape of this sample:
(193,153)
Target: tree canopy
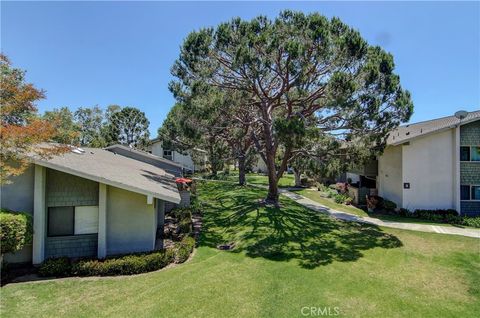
(300,74)
(21,131)
(129,126)
(67,130)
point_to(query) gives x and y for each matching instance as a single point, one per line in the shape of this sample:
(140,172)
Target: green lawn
(284,260)
(287,180)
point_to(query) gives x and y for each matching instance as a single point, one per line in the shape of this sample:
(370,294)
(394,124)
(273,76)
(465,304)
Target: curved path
(306,202)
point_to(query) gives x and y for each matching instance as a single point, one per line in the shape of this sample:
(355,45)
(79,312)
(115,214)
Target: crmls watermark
(320,311)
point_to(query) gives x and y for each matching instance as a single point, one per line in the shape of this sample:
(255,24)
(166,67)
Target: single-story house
(166,164)
(433,164)
(192,160)
(90,203)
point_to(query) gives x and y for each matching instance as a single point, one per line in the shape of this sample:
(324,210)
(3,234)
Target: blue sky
(89,53)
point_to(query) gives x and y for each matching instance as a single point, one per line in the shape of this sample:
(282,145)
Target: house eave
(174,199)
(403,141)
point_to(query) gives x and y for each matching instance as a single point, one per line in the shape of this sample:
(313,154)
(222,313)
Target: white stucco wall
(260,165)
(390,184)
(353,176)
(428,165)
(156,149)
(18,195)
(184,159)
(131,222)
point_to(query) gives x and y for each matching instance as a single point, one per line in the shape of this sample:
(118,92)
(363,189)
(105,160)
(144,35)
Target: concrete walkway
(306,202)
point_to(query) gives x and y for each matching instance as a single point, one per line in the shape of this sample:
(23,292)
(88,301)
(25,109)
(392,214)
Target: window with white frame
(167,154)
(470,153)
(470,192)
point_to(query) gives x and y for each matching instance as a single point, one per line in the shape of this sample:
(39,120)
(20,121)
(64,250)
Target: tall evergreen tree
(129,126)
(298,71)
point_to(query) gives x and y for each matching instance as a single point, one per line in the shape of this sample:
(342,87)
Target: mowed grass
(284,260)
(287,180)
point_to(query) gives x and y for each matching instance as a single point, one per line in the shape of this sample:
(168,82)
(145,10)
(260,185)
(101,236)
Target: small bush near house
(15,230)
(404,212)
(322,188)
(341,187)
(434,215)
(185,226)
(183,249)
(331,193)
(389,205)
(57,267)
(124,265)
(182,213)
(472,221)
(449,216)
(348,200)
(341,198)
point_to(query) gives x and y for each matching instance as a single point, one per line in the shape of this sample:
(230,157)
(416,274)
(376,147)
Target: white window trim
(470,154)
(470,192)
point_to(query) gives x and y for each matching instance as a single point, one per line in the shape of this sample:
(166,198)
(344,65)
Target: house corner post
(102,221)
(39,215)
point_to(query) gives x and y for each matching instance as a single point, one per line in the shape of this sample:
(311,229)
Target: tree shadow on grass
(293,232)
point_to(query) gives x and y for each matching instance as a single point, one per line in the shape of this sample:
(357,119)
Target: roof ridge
(435,119)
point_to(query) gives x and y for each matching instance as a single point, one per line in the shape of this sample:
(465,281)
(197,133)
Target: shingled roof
(407,132)
(119,171)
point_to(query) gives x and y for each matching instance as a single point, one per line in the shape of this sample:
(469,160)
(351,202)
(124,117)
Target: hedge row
(449,216)
(124,265)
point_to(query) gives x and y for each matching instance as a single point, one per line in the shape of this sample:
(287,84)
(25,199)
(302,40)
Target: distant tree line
(93,127)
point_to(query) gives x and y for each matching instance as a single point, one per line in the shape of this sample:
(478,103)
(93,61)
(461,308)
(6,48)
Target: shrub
(183,249)
(472,221)
(389,205)
(182,213)
(453,219)
(185,226)
(404,212)
(16,230)
(125,265)
(348,200)
(322,188)
(341,187)
(58,267)
(341,198)
(434,215)
(331,193)
(446,216)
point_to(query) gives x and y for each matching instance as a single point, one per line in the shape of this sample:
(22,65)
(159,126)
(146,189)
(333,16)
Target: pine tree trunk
(272,196)
(241,170)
